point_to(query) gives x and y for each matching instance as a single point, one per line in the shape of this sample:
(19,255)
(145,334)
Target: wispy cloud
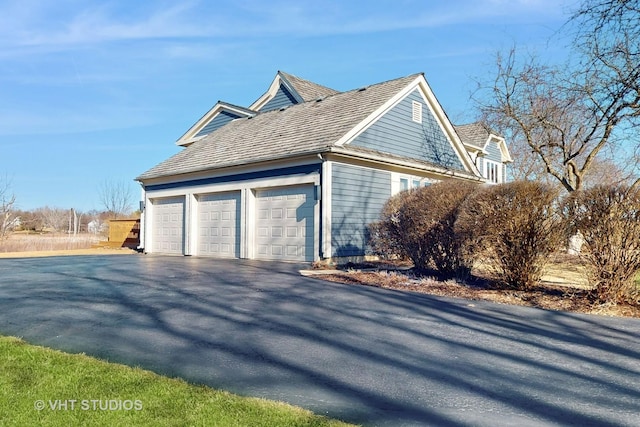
(68,121)
(67,24)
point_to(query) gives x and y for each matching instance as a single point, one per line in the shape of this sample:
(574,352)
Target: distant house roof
(475,134)
(475,137)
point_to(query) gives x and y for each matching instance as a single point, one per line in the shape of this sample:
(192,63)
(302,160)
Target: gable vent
(416,111)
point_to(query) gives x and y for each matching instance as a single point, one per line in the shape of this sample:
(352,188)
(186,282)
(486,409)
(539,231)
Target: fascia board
(431,101)
(188,137)
(375,115)
(502,144)
(447,127)
(381,159)
(273,89)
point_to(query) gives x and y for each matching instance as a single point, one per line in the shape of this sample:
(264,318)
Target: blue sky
(101,90)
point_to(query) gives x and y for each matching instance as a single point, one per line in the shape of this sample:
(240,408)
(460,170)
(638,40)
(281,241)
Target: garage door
(284,223)
(168,226)
(219,225)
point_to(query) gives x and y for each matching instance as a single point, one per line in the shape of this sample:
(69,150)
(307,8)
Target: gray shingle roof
(309,91)
(307,128)
(473,134)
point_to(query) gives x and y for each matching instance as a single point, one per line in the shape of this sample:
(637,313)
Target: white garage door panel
(168,226)
(219,225)
(284,223)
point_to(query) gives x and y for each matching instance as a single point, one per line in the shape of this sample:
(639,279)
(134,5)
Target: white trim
(502,145)
(375,115)
(278,80)
(249,221)
(447,127)
(279,163)
(402,164)
(435,108)
(498,169)
(189,136)
(411,180)
(190,224)
(327,176)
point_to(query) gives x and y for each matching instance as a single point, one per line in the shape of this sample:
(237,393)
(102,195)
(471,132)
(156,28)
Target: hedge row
(515,227)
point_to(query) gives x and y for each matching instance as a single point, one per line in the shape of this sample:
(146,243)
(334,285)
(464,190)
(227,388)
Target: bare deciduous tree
(562,121)
(7,213)
(116,197)
(56,219)
(553,115)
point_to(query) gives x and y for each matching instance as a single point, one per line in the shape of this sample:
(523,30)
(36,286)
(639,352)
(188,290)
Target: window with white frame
(493,171)
(407,182)
(404,184)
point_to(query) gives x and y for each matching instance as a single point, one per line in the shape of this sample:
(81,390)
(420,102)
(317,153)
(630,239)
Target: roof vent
(284,108)
(362,89)
(416,111)
(319,99)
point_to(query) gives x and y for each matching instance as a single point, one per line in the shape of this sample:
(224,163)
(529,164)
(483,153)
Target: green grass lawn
(38,386)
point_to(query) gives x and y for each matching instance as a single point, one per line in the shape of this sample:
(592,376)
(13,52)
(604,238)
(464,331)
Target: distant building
(97,227)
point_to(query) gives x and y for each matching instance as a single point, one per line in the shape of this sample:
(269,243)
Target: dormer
(488,151)
(218,116)
(287,89)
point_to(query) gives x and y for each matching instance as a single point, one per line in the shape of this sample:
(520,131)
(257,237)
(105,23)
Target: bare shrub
(386,235)
(609,219)
(516,226)
(418,224)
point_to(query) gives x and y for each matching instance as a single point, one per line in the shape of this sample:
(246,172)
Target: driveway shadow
(362,354)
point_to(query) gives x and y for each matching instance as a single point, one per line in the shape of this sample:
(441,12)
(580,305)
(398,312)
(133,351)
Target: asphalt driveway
(362,354)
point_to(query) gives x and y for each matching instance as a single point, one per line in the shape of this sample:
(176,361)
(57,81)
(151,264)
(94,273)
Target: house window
(404,184)
(415,183)
(416,111)
(493,171)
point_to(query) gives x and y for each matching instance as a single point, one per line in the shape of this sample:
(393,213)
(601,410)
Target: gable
(221,119)
(493,152)
(282,98)
(399,132)
(221,114)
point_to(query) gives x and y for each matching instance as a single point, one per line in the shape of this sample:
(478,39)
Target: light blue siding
(221,119)
(396,133)
(357,197)
(282,98)
(493,152)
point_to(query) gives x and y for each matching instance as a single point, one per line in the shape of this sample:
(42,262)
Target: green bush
(609,219)
(515,226)
(418,225)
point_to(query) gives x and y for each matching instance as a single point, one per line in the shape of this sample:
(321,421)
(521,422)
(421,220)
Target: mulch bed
(481,287)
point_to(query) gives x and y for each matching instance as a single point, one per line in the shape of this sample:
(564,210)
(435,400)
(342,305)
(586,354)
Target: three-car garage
(273,223)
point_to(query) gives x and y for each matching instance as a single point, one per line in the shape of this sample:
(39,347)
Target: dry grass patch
(20,242)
